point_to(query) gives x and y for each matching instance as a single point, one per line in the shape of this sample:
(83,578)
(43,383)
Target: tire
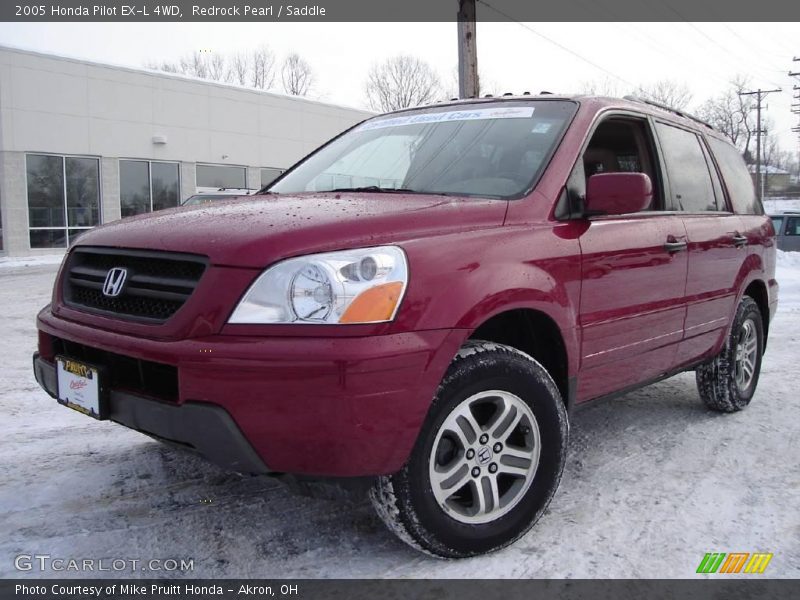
(514,402)
(727,382)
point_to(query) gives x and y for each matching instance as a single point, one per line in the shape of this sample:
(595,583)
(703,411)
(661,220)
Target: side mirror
(618,193)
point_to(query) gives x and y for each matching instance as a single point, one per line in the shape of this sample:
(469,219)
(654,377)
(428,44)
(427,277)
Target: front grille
(156,286)
(156,380)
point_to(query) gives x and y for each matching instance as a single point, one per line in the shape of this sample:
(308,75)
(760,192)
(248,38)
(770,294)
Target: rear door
(717,246)
(633,271)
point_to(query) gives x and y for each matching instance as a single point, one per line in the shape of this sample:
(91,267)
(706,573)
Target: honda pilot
(423,301)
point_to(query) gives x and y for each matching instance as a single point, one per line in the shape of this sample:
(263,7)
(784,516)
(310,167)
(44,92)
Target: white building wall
(56,105)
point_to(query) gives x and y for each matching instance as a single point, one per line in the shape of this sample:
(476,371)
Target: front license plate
(79,387)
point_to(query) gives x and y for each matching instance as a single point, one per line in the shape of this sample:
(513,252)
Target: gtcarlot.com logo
(46,562)
(734,562)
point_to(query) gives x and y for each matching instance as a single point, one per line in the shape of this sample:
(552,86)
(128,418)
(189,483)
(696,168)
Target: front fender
(460,281)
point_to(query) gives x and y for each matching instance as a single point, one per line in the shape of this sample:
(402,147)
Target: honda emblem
(115,281)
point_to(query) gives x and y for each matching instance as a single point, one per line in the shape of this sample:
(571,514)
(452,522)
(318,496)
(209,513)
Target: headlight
(349,286)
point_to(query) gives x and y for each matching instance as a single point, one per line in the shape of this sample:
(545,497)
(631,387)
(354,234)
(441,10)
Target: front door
(632,305)
(632,300)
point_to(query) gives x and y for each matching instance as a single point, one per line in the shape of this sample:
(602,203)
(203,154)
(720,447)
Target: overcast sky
(512,57)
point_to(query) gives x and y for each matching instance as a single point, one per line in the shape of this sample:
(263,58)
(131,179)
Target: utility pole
(796,107)
(760,95)
(467,50)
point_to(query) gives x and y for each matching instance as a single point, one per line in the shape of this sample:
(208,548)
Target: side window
(718,193)
(777,223)
(793,226)
(736,177)
(619,145)
(689,178)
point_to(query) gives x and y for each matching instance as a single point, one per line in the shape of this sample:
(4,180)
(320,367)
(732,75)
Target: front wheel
(727,383)
(488,459)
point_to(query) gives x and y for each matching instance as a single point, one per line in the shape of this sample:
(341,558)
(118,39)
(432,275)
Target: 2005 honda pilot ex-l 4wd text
(423,300)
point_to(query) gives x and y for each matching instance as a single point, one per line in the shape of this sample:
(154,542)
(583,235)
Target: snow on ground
(30,261)
(776,205)
(653,481)
(788,276)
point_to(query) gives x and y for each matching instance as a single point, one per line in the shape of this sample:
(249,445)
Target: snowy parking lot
(653,482)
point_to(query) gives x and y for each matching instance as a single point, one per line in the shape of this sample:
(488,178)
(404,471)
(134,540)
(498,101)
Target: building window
(63,198)
(268,175)
(145,186)
(219,176)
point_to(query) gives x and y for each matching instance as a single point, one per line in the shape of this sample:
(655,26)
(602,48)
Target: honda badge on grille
(115,280)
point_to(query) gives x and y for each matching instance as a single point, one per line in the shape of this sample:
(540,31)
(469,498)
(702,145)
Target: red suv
(423,300)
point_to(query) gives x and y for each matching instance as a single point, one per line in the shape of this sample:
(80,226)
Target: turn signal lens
(375,304)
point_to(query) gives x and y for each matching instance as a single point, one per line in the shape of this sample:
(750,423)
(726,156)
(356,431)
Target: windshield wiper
(378,189)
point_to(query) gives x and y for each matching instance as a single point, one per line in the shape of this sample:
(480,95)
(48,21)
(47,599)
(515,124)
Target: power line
(726,52)
(555,43)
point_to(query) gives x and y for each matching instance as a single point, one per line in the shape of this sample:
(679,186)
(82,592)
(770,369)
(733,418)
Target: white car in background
(206,195)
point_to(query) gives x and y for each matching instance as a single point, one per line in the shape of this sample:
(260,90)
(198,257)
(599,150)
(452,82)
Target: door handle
(673,245)
(740,241)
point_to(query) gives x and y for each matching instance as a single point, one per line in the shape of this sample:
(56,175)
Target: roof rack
(675,111)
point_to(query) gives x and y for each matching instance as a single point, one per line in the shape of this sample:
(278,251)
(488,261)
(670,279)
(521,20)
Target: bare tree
(239,68)
(218,68)
(255,69)
(670,93)
(601,87)
(733,115)
(400,82)
(771,154)
(723,113)
(165,66)
(296,75)
(195,64)
(262,74)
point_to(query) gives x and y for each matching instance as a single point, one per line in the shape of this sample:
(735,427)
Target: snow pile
(31,261)
(787,272)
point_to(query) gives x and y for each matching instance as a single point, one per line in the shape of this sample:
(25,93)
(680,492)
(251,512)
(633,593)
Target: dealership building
(83,143)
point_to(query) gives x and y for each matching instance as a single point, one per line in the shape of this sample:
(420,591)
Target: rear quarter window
(737,178)
(689,176)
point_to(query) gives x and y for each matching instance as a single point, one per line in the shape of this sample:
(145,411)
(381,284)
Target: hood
(254,231)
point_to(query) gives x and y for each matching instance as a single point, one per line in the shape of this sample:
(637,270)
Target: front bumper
(335,406)
(204,428)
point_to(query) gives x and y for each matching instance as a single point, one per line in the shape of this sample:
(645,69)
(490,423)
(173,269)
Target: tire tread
(715,379)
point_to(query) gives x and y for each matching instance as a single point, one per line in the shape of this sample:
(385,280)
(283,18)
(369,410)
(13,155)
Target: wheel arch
(757,290)
(537,334)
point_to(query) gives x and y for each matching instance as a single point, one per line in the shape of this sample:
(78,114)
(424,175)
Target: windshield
(493,150)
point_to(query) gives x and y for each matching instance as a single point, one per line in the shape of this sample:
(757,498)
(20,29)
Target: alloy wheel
(484,457)
(746,355)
